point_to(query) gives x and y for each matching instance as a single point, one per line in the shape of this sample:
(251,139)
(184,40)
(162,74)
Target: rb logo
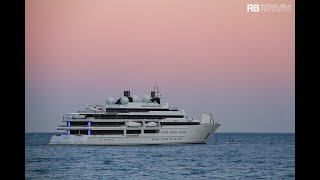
(253,7)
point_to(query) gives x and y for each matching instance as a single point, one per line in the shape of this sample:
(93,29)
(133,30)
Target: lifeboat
(133,124)
(151,124)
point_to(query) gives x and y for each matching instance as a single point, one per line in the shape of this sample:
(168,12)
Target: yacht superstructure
(131,120)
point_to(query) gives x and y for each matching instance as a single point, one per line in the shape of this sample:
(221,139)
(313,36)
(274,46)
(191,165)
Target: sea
(226,156)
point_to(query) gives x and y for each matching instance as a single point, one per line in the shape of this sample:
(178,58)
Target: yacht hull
(199,134)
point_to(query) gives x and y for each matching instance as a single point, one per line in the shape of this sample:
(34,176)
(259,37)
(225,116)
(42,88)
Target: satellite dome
(110,100)
(145,98)
(124,100)
(135,98)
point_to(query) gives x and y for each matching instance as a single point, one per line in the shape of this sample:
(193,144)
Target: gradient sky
(205,55)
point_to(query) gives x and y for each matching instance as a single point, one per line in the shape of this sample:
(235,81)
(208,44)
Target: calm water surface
(226,156)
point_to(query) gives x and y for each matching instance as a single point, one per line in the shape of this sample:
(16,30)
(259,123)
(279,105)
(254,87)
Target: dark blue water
(226,156)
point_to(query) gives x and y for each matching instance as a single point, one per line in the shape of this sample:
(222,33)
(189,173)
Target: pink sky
(86,50)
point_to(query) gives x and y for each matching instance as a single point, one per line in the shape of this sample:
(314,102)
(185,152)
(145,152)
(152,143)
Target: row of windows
(78,132)
(157,139)
(139,131)
(115,116)
(93,124)
(69,142)
(179,123)
(133,110)
(78,123)
(133,131)
(151,131)
(106,139)
(173,131)
(107,123)
(85,124)
(110,132)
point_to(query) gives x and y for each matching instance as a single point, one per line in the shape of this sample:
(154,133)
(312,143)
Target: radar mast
(156,90)
(155,94)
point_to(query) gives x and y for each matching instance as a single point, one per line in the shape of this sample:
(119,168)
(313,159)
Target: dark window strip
(103,116)
(180,123)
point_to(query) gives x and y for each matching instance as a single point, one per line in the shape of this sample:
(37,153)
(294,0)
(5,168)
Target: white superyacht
(133,121)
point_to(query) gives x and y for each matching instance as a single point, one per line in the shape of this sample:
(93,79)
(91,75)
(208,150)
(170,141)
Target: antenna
(156,91)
